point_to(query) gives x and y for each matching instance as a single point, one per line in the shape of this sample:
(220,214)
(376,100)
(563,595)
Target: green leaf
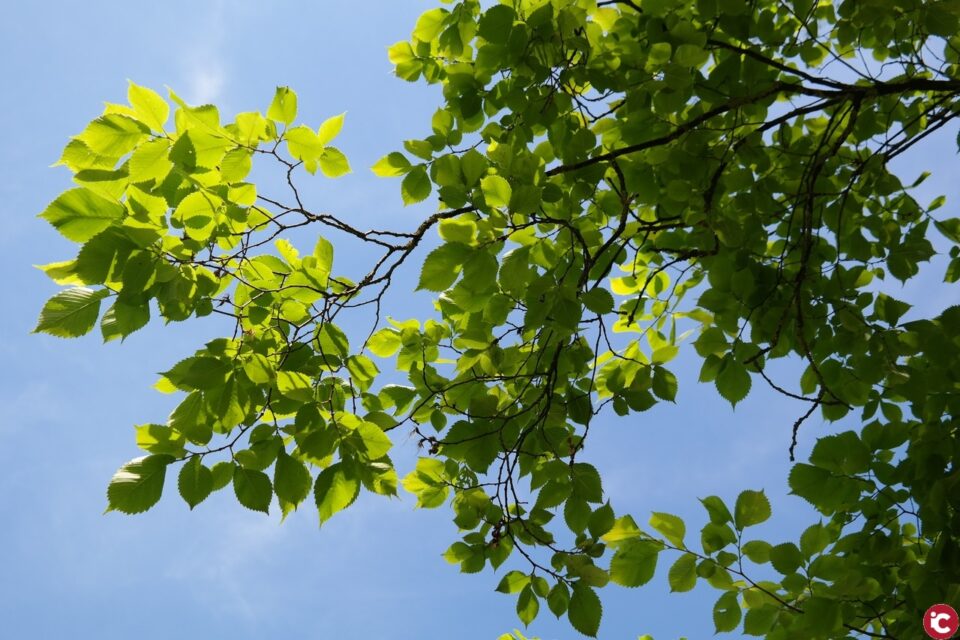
(151,109)
(376,443)
(601,521)
(585,610)
(757,551)
(442,266)
(558,599)
(458,230)
(683,574)
(495,24)
(416,185)
(758,621)
(332,340)
(786,558)
(236,164)
(291,481)
(195,482)
(222,473)
(333,163)
(719,514)
(391,165)
(330,128)
(496,191)
(634,563)
(71,313)
(513,582)
(304,144)
(429,24)
(335,490)
(191,419)
(295,385)
(726,612)
(598,300)
(733,381)
(528,606)
(671,526)
(284,106)
(79,214)
(752,508)
(384,343)
(198,214)
(138,485)
(113,134)
(121,319)
(252,488)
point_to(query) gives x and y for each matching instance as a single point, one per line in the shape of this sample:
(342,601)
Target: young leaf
(284,106)
(151,109)
(391,165)
(333,163)
(330,128)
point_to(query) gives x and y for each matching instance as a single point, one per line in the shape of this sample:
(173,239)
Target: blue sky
(68,407)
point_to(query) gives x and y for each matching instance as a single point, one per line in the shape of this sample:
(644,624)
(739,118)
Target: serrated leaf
(634,563)
(496,191)
(71,313)
(391,165)
(683,574)
(79,214)
(752,508)
(283,108)
(384,343)
(528,606)
(442,266)
(291,481)
(416,185)
(150,107)
(585,610)
(333,163)
(671,526)
(335,490)
(513,582)
(330,128)
(726,612)
(733,381)
(195,482)
(252,488)
(138,485)
(598,300)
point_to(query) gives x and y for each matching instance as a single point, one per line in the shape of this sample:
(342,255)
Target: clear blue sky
(68,407)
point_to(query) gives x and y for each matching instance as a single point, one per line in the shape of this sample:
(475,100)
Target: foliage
(611,177)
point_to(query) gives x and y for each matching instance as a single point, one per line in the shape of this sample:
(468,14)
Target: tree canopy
(615,181)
